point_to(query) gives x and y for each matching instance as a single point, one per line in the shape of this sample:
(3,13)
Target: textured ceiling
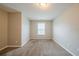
(32,11)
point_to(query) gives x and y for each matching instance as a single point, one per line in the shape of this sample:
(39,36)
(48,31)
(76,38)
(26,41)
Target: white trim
(25,43)
(65,48)
(3,48)
(10,46)
(40,39)
(14,46)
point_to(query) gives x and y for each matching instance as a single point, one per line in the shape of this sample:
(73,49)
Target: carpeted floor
(36,48)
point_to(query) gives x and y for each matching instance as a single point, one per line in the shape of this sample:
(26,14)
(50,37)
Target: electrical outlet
(16,41)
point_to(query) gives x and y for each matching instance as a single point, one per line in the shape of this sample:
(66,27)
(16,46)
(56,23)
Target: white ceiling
(34,12)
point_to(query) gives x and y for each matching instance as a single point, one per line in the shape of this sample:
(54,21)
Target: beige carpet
(36,48)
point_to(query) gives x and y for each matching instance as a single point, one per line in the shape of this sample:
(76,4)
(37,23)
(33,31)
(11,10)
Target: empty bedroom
(39,29)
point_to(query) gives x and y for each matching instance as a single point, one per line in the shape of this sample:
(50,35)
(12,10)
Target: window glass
(41,28)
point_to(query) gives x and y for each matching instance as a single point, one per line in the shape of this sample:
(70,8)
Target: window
(41,28)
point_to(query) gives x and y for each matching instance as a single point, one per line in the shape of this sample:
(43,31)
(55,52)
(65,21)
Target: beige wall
(18,29)
(3,28)
(33,30)
(66,29)
(14,29)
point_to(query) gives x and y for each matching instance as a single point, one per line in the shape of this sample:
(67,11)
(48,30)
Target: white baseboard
(10,46)
(65,48)
(24,43)
(3,48)
(14,46)
(40,39)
